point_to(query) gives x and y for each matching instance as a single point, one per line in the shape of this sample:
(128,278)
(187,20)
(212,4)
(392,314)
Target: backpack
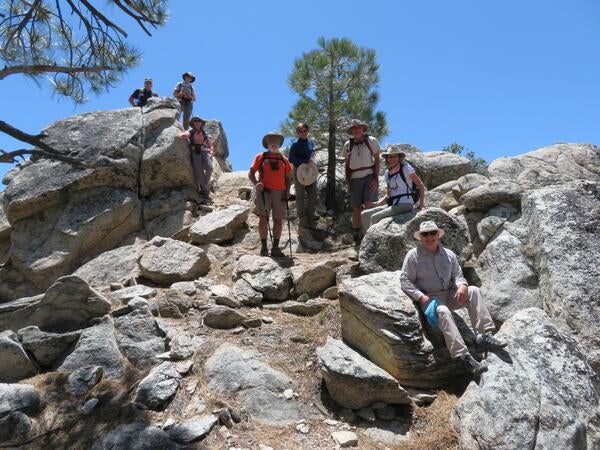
(352,143)
(179,90)
(414,193)
(266,157)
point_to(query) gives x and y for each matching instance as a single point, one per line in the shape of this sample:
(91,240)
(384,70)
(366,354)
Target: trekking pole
(287,213)
(268,224)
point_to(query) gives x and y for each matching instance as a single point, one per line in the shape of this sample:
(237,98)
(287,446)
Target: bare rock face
(113,266)
(219,226)
(355,382)
(166,261)
(314,280)
(540,393)
(436,168)
(380,321)
(485,196)
(45,347)
(16,364)
(386,243)
(549,166)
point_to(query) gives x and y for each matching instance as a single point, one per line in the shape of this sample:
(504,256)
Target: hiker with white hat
(272,190)
(184,92)
(362,164)
(404,190)
(431,273)
(201,153)
(305,176)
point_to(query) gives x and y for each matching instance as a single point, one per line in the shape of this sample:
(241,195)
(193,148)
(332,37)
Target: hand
(461,295)
(421,206)
(259,186)
(424,301)
(374,185)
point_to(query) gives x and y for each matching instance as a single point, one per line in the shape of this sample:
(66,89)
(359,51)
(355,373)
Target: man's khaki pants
(478,313)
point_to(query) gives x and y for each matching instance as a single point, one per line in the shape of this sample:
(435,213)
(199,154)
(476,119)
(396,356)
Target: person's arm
(383,200)
(252,173)
(209,144)
(415,179)
(177,91)
(408,275)
(459,281)
(374,185)
(292,154)
(184,135)
(347,170)
(131,102)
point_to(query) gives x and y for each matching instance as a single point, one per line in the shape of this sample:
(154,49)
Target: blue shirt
(301,151)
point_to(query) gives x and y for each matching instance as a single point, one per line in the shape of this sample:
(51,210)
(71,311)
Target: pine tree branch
(36,69)
(101,17)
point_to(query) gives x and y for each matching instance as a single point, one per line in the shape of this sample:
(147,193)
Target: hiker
(432,275)
(362,172)
(272,190)
(184,92)
(403,186)
(141,95)
(201,152)
(305,176)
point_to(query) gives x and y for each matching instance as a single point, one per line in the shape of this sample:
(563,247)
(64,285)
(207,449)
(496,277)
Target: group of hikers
(431,275)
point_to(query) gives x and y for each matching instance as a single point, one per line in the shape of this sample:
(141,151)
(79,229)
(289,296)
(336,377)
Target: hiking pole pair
(287,213)
(268,224)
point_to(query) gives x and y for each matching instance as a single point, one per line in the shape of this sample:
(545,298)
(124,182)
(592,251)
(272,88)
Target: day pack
(414,193)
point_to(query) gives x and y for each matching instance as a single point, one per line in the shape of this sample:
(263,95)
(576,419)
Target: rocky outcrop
(487,195)
(114,266)
(380,321)
(436,168)
(549,166)
(540,393)
(355,382)
(386,243)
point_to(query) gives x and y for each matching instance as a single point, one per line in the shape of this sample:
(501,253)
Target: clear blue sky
(501,78)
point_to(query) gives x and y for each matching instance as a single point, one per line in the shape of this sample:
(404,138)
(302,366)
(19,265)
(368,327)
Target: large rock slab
(166,261)
(97,346)
(386,243)
(45,347)
(16,364)
(549,165)
(135,436)
(541,394)
(230,183)
(436,168)
(244,376)
(139,337)
(113,266)
(467,183)
(18,397)
(219,226)
(315,280)
(381,322)
(265,276)
(193,429)
(485,196)
(355,382)
(67,305)
(564,236)
(159,387)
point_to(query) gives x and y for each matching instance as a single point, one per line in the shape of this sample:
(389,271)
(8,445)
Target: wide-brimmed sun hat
(307,173)
(357,123)
(272,133)
(188,74)
(197,119)
(393,151)
(426,226)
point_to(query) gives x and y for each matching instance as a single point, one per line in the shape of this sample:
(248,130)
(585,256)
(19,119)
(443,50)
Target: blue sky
(501,78)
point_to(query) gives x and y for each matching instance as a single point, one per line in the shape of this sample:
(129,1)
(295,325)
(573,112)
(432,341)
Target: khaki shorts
(275,204)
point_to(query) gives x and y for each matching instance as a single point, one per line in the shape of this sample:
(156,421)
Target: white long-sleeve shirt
(425,273)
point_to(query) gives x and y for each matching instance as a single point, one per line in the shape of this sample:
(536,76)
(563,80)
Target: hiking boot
(264,251)
(472,366)
(276,251)
(488,343)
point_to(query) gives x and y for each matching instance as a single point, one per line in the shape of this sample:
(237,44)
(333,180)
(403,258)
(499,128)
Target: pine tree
(335,82)
(479,164)
(72,44)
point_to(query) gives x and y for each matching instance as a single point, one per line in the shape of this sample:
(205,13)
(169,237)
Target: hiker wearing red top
(272,190)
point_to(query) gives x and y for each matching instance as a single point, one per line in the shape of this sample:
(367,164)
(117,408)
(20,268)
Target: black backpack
(414,193)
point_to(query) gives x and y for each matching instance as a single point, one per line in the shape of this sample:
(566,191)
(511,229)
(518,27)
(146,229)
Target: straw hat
(307,173)
(428,225)
(357,123)
(393,151)
(269,134)
(189,74)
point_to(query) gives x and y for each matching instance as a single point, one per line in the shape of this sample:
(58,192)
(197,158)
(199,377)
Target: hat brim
(307,173)
(364,126)
(266,136)
(197,119)
(384,154)
(417,234)
(188,75)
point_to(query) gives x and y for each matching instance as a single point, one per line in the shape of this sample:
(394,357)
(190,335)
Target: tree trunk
(331,165)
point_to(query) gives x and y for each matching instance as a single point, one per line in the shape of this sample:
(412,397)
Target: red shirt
(272,178)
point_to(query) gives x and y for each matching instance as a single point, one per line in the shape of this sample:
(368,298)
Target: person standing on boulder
(272,190)
(362,164)
(301,152)
(201,153)
(184,92)
(431,276)
(141,95)
(400,178)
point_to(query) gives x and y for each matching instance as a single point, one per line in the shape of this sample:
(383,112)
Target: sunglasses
(429,233)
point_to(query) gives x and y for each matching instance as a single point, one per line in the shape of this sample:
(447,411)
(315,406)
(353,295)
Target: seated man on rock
(432,275)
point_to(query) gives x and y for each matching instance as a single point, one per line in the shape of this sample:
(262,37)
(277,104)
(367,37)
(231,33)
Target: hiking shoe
(264,251)
(471,365)
(356,236)
(276,251)
(489,342)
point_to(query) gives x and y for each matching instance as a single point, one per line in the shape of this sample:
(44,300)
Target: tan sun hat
(197,119)
(357,123)
(393,151)
(307,173)
(269,134)
(189,74)
(428,225)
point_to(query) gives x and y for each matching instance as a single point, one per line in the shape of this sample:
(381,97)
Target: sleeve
(292,155)
(135,93)
(408,170)
(345,148)
(375,145)
(288,166)
(408,275)
(185,135)
(457,274)
(256,162)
